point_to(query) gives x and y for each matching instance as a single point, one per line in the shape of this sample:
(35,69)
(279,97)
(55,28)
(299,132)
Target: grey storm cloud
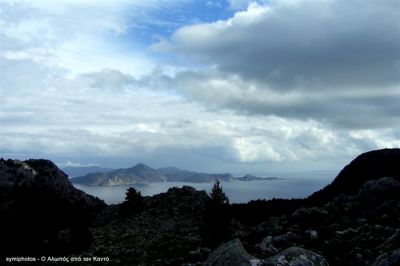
(332,61)
(302,44)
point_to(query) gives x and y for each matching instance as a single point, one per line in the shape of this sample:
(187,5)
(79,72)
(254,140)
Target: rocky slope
(370,165)
(167,232)
(37,202)
(349,230)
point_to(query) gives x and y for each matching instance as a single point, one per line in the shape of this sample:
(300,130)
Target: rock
(271,245)
(391,258)
(231,253)
(296,256)
(348,233)
(392,242)
(384,189)
(272,226)
(285,239)
(199,254)
(342,199)
(311,234)
(311,215)
(267,247)
(362,221)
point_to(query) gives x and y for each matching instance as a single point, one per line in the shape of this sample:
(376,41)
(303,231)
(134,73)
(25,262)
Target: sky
(218,86)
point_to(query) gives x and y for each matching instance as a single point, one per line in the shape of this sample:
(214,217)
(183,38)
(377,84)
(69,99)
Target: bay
(237,191)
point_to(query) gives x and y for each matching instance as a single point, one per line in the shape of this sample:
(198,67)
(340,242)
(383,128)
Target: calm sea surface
(237,191)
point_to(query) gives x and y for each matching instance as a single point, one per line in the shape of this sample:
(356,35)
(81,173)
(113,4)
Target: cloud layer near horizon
(277,82)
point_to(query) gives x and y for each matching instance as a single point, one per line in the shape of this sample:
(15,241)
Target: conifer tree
(217,217)
(133,203)
(217,195)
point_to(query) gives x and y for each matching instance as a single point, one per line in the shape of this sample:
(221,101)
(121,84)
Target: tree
(133,195)
(133,203)
(218,197)
(217,217)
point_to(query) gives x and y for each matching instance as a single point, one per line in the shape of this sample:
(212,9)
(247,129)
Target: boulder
(271,245)
(285,239)
(311,234)
(231,253)
(296,256)
(309,216)
(392,242)
(273,225)
(391,258)
(376,191)
(266,246)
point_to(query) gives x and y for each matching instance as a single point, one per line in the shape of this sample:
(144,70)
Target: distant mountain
(139,174)
(142,174)
(179,175)
(84,170)
(256,178)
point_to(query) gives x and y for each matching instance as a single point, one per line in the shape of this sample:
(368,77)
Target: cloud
(332,61)
(78,84)
(352,109)
(74,118)
(301,44)
(77,36)
(242,4)
(76,164)
(252,149)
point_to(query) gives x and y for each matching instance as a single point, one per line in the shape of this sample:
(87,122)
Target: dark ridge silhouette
(367,166)
(40,210)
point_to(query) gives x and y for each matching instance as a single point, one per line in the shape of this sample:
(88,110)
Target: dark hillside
(40,211)
(368,166)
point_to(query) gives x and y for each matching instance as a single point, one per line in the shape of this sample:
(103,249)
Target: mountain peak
(141,166)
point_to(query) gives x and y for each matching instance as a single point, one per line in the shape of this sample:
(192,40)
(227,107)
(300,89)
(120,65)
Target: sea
(291,185)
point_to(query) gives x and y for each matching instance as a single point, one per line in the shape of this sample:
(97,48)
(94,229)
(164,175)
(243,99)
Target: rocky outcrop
(37,202)
(368,166)
(231,253)
(34,175)
(391,258)
(296,256)
(384,189)
(271,244)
